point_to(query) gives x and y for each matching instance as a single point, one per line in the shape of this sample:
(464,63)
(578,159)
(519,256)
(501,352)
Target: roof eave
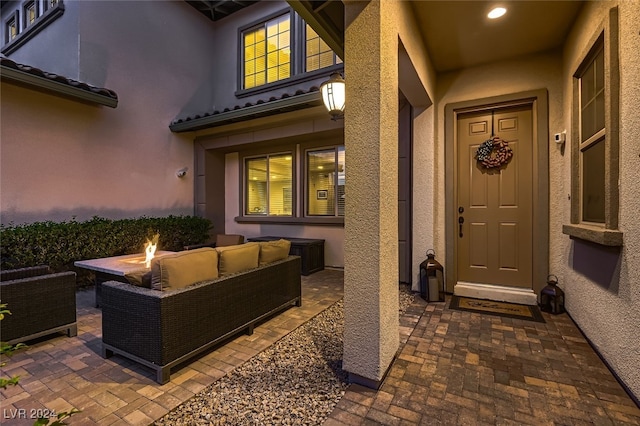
(34,81)
(268,108)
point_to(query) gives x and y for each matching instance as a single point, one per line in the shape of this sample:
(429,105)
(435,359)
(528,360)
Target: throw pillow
(270,251)
(184,268)
(238,258)
(139,278)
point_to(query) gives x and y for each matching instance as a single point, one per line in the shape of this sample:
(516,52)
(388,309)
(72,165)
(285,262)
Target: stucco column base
(371,383)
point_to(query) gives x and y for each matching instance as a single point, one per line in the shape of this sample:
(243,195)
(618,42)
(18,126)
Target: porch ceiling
(458,34)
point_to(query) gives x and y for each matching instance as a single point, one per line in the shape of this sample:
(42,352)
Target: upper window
(268,185)
(11,28)
(267,52)
(594,141)
(280,48)
(325,182)
(318,53)
(35,15)
(30,13)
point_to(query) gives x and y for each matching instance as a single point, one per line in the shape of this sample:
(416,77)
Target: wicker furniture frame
(161,329)
(41,303)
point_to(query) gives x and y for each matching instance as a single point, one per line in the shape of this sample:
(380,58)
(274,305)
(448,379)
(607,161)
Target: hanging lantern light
(552,296)
(333,95)
(431,279)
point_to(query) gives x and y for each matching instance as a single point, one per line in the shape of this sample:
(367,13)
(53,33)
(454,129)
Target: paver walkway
(463,368)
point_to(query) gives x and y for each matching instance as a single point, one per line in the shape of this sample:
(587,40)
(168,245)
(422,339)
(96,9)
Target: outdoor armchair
(40,302)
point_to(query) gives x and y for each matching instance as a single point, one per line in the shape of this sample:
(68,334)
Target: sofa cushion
(270,251)
(139,278)
(238,258)
(184,268)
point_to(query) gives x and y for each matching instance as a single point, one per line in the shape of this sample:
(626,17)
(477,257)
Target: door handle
(460,222)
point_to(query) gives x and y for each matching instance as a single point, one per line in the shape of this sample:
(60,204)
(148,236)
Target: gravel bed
(296,381)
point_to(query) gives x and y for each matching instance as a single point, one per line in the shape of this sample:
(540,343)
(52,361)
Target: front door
(495,205)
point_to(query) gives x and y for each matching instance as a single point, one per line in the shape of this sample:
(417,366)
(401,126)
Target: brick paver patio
(453,368)
(58,373)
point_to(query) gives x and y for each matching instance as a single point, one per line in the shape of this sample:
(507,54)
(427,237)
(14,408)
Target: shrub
(59,244)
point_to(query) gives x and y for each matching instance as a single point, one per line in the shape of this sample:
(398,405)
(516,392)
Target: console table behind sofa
(311,251)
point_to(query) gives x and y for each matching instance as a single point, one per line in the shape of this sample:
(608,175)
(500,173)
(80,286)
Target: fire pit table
(115,268)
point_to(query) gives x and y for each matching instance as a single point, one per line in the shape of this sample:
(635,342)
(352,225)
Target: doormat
(502,309)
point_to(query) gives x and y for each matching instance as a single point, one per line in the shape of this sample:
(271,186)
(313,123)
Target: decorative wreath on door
(494,152)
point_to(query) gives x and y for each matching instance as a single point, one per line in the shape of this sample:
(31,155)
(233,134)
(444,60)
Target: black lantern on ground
(431,279)
(552,297)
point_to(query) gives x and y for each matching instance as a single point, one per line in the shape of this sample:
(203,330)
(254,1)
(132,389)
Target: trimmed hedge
(59,244)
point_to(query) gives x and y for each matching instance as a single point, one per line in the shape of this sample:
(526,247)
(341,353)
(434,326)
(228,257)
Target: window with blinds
(268,185)
(267,52)
(325,182)
(318,53)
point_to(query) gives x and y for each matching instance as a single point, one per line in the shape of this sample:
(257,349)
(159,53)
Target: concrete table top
(118,265)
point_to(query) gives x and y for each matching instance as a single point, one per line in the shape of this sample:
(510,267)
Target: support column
(371,219)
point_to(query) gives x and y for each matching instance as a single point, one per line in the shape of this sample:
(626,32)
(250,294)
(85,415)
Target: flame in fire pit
(150,250)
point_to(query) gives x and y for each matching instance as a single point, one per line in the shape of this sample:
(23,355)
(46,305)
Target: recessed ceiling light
(496,12)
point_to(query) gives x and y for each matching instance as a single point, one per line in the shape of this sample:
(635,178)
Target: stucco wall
(603,285)
(424,189)
(61,158)
(421,94)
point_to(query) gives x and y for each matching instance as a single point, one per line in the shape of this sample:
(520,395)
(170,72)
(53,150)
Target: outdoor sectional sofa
(41,303)
(163,328)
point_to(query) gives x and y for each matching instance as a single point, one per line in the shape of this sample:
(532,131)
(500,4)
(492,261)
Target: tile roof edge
(273,106)
(36,78)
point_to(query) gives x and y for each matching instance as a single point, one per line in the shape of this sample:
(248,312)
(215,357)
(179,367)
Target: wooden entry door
(494,243)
